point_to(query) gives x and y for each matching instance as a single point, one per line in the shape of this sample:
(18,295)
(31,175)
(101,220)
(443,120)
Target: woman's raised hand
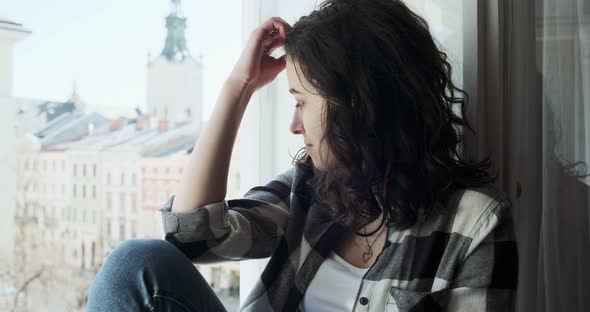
(256,67)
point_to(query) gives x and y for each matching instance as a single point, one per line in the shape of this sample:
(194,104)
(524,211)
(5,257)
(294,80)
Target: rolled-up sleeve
(234,229)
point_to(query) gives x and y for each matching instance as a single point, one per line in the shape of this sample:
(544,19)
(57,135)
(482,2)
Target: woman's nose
(296,126)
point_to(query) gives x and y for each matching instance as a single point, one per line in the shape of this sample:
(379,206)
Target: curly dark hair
(389,113)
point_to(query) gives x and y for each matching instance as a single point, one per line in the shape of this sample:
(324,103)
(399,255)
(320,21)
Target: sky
(102,47)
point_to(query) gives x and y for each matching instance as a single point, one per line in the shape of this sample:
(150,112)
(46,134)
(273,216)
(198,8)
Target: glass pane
(140,79)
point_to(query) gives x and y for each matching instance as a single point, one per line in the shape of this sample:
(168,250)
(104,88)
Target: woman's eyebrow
(293,91)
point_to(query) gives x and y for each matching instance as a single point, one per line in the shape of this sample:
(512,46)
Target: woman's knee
(142,253)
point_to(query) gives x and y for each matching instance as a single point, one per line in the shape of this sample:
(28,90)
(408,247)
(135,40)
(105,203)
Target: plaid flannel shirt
(458,257)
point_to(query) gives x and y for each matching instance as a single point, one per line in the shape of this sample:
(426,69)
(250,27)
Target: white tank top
(334,286)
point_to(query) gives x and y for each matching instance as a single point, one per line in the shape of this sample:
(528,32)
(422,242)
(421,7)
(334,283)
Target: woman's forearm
(204,178)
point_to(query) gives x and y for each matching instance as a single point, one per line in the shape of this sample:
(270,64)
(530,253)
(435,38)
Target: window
(109,234)
(109,201)
(121,202)
(80,160)
(122,231)
(133,229)
(134,202)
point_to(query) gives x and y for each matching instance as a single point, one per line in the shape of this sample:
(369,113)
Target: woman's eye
(298,105)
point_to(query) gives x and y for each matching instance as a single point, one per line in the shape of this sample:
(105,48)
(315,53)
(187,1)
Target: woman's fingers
(271,27)
(287,26)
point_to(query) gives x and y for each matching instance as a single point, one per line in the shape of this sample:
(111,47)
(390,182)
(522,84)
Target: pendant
(367,255)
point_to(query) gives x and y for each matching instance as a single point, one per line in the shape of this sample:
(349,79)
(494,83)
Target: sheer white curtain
(563,61)
(533,114)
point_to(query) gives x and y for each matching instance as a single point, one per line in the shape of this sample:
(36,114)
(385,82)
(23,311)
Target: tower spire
(175,49)
(175,8)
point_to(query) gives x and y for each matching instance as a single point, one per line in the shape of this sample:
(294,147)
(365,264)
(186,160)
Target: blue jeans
(150,275)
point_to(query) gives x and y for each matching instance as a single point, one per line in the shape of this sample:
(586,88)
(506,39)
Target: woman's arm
(204,179)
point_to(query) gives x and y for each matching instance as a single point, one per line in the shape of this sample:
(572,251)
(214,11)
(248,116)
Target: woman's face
(308,117)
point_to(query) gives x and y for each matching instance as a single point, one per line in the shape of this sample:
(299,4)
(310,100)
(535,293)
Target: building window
(122,202)
(122,231)
(134,202)
(109,178)
(74,190)
(93,191)
(134,179)
(109,201)
(94,170)
(133,229)
(75,169)
(84,170)
(84,191)
(122,178)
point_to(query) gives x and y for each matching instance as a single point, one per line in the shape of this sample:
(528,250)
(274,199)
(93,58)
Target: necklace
(369,251)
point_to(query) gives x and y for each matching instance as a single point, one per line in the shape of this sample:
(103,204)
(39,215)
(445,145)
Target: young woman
(379,213)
